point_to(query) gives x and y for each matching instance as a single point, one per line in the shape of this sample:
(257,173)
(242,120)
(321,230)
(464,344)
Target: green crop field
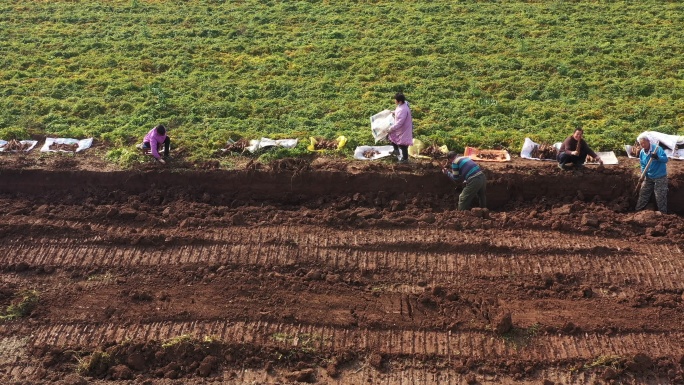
(476,73)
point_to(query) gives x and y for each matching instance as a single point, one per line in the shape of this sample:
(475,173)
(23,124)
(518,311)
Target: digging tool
(643,173)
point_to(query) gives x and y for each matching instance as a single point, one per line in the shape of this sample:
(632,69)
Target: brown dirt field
(332,271)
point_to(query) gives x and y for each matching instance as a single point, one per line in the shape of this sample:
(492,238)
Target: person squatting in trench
(574,150)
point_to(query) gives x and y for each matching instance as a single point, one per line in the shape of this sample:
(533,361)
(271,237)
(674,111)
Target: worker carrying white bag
(396,126)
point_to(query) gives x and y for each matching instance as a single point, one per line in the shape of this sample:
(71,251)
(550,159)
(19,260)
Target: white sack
(258,144)
(380,124)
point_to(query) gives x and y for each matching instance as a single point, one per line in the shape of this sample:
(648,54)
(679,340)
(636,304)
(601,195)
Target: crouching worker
(462,167)
(575,150)
(154,140)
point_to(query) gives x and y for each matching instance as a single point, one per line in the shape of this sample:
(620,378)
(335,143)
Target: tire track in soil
(655,266)
(439,346)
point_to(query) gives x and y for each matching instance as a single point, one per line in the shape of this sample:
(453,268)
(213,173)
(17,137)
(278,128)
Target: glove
(654,156)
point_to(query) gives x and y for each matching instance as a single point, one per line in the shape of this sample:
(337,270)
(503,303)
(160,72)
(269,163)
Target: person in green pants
(462,167)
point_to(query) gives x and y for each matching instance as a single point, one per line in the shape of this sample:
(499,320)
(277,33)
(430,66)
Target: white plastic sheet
(529,146)
(31,143)
(83,144)
(676,154)
(670,143)
(608,158)
(258,144)
(382,151)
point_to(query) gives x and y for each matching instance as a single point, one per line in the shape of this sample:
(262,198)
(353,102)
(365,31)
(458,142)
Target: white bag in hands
(380,124)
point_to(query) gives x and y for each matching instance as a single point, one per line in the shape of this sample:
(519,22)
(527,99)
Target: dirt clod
(376,360)
(121,372)
(305,375)
(503,323)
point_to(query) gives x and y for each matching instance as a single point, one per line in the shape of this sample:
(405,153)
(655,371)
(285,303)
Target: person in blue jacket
(655,179)
(462,167)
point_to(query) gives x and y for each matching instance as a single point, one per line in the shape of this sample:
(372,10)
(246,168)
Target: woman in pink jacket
(401,132)
(153,141)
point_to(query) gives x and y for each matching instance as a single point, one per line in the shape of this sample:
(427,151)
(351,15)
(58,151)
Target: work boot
(562,166)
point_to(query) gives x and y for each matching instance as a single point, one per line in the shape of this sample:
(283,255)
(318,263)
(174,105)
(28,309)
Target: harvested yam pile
(325,144)
(487,155)
(64,147)
(545,151)
(238,146)
(370,153)
(491,155)
(591,159)
(15,145)
(635,151)
(433,151)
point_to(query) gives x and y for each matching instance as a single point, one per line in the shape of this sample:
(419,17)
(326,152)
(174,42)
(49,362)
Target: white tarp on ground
(529,146)
(380,124)
(608,158)
(381,152)
(669,143)
(83,144)
(31,143)
(258,144)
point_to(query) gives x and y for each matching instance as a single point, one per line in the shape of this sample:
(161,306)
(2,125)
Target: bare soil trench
(331,271)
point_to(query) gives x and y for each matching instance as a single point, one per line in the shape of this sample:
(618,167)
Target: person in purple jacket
(401,132)
(153,141)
